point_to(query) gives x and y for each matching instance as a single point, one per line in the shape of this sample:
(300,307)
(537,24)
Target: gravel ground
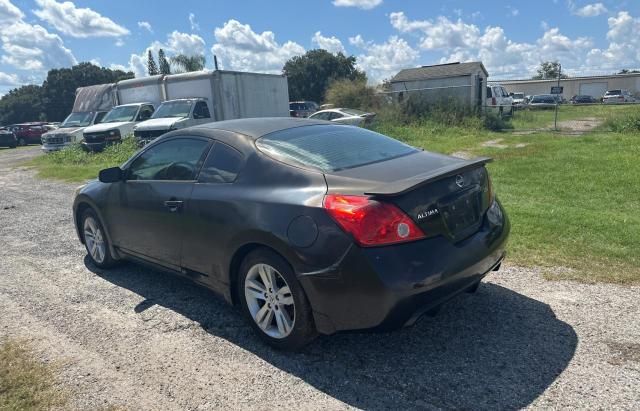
(141,339)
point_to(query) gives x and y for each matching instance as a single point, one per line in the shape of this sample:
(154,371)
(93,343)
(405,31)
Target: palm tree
(188,63)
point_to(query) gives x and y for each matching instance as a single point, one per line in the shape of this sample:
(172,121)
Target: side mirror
(111,175)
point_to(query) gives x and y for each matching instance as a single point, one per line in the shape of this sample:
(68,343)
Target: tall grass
(76,164)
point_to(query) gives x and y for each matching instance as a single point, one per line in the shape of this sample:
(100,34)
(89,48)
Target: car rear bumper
(385,288)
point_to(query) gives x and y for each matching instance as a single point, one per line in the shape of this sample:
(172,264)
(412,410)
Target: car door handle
(173,205)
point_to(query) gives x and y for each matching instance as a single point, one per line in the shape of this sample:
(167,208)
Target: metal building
(465,82)
(594,86)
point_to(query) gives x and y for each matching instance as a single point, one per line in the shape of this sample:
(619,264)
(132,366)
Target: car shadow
(495,349)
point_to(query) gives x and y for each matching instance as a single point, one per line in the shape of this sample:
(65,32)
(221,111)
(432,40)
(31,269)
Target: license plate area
(461,213)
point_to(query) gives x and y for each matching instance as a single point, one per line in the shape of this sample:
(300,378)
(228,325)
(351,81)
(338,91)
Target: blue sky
(510,37)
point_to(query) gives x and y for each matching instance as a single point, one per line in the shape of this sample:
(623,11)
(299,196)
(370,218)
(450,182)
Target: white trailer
(90,106)
(226,94)
(142,90)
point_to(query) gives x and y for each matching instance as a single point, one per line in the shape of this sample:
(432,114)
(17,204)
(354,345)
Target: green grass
(544,119)
(573,201)
(76,165)
(26,383)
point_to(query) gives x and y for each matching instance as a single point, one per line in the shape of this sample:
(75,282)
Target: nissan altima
(308,226)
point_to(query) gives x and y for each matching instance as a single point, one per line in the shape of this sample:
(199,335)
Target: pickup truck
(70,131)
(115,125)
(499,101)
(173,115)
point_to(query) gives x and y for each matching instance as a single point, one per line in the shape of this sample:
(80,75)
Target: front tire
(274,302)
(95,240)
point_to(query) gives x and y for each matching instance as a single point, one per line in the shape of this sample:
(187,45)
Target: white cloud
(77,22)
(145,25)
(119,43)
(9,13)
(331,44)
(383,60)
(9,79)
(32,47)
(503,57)
(361,4)
(194,24)
(590,10)
(513,11)
(238,47)
(624,44)
(177,43)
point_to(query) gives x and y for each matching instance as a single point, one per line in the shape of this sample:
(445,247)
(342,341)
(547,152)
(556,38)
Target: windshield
(173,109)
(543,99)
(331,148)
(77,120)
(518,95)
(353,112)
(123,113)
(613,93)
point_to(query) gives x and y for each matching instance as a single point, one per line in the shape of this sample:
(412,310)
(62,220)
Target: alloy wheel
(94,240)
(270,301)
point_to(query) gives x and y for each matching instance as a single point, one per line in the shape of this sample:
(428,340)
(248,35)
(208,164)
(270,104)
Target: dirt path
(142,339)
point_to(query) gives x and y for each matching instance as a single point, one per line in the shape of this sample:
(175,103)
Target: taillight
(370,222)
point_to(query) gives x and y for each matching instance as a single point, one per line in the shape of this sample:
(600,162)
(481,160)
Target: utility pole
(555,123)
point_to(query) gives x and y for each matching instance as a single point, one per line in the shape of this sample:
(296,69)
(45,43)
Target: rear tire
(274,302)
(95,240)
(22,142)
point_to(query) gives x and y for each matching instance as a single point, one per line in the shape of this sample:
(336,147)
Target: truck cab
(173,115)
(116,124)
(70,131)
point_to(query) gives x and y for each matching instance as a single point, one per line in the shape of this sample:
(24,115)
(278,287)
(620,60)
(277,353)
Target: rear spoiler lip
(400,187)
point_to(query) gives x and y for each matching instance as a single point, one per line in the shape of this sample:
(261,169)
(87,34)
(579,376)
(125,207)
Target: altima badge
(459,181)
(427,213)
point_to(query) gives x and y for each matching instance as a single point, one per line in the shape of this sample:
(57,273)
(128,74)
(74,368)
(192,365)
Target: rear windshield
(353,112)
(614,92)
(331,147)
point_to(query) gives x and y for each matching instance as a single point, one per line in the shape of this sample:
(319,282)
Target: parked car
(302,108)
(499,101)
(617,97)
(7,138)
(28,133)
(309,227)
(581,99)
(519,100)
(70,131)
(543,101)
(173,115)
(348,116)
(115,125)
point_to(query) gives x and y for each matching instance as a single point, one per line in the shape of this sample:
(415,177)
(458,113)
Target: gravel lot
(141,339)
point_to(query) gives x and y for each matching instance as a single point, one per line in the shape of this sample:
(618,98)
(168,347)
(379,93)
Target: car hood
(62,131)
(106,126)
(159,123)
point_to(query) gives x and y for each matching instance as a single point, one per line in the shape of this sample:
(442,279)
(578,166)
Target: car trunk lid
(441,194)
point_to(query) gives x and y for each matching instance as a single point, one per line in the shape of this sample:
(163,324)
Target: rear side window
(222,165)
(331,147)
(489,92)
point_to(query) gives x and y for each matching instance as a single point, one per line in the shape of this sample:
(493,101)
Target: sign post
(557,90)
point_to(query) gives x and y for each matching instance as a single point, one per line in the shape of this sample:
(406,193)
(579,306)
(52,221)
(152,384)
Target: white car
(70,131)
(617,97)
(348,116)
(499,101)
(173,115)
(117,124)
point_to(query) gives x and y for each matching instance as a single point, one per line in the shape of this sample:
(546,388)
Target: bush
(624,124)
(494,122)
(352,94)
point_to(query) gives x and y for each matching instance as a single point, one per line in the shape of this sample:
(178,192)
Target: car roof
(258,127)
(133,104)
